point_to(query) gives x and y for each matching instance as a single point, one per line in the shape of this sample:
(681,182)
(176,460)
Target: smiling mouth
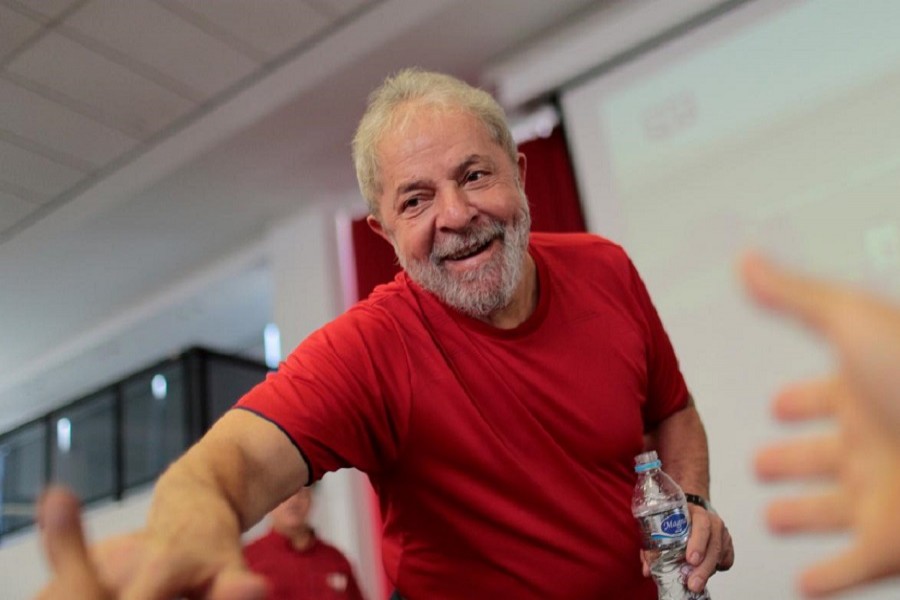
(469,252)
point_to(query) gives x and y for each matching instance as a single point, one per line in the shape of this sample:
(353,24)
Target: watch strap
(700,501)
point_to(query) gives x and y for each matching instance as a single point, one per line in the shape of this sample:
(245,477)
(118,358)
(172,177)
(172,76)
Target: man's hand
(860,457)
(709,548)
(680,441)
(122,567)
(191,544)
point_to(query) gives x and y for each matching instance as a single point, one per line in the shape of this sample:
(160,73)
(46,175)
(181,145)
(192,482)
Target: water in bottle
(661,509)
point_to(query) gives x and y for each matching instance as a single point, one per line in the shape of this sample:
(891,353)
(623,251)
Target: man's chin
(475,301)
(478,292)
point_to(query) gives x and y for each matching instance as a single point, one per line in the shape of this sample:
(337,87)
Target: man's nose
(455,211)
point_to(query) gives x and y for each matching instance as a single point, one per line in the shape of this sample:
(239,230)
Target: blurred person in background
(295,562)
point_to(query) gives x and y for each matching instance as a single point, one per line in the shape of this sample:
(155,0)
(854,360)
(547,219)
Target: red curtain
(552,196)
(376,262)
(550,184)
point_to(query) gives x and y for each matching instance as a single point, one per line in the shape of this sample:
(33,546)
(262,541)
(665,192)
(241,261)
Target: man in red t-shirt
(495,393)
(297,564)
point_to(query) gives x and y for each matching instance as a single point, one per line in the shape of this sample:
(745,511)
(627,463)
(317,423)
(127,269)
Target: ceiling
(147,146)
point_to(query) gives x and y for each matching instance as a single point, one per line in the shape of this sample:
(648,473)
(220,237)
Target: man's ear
(376,226)
(520,165)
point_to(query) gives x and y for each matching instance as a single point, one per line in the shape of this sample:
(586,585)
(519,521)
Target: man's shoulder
(384,305)
(569,246)
(373,328)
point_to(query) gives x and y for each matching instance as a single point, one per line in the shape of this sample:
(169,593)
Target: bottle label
(666,528)
(675,525)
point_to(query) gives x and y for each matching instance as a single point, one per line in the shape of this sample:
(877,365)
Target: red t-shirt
(503,459)
(318,572)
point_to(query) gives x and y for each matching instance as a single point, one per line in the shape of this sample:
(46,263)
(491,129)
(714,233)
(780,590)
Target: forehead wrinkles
(416,129)
(397,146)
(418,117)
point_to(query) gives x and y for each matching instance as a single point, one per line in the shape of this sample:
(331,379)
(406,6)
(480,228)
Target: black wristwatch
(700,501)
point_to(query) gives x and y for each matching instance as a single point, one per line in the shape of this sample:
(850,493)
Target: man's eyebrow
(458,172)
(467,162)
(409,186)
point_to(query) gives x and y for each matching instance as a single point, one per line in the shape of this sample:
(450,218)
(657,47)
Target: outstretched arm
(237,472)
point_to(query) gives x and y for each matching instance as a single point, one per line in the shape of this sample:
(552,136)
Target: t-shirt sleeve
(667,392)
(331,398)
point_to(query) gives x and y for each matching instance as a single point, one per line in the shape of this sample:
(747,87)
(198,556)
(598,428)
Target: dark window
(154,422)
(83,448)
(150,417)
(227,380)
(23,455)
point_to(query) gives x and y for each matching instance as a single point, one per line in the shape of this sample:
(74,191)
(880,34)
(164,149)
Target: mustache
(468,239)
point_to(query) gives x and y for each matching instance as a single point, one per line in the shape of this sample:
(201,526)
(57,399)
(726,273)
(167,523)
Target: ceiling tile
(36,118)
(154,36)
(48,8)
(272,27)
(34,172)
(12,210)
(124,98)
(15,28)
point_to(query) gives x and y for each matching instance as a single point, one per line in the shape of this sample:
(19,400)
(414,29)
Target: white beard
(486,289)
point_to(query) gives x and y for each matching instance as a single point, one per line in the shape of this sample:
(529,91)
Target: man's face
(452,206)
(290,516)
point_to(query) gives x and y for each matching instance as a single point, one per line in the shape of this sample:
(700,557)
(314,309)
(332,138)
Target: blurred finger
(156,579)
(830,511)
(162,576)
(814,302)
(59,518)
(806,458)
(807,400)
(840,573)
(117,558)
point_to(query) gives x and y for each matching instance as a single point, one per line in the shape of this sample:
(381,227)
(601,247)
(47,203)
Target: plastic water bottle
(659,506)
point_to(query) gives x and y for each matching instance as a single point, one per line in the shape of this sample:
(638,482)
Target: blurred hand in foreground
(859,459)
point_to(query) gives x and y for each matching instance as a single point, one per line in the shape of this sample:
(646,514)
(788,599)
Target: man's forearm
(190,491)
(231,478)
(680,441)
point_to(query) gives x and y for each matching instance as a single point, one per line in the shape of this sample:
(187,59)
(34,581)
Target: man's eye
(410,203)
(474,175)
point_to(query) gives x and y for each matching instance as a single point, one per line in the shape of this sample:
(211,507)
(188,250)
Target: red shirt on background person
(296,564)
